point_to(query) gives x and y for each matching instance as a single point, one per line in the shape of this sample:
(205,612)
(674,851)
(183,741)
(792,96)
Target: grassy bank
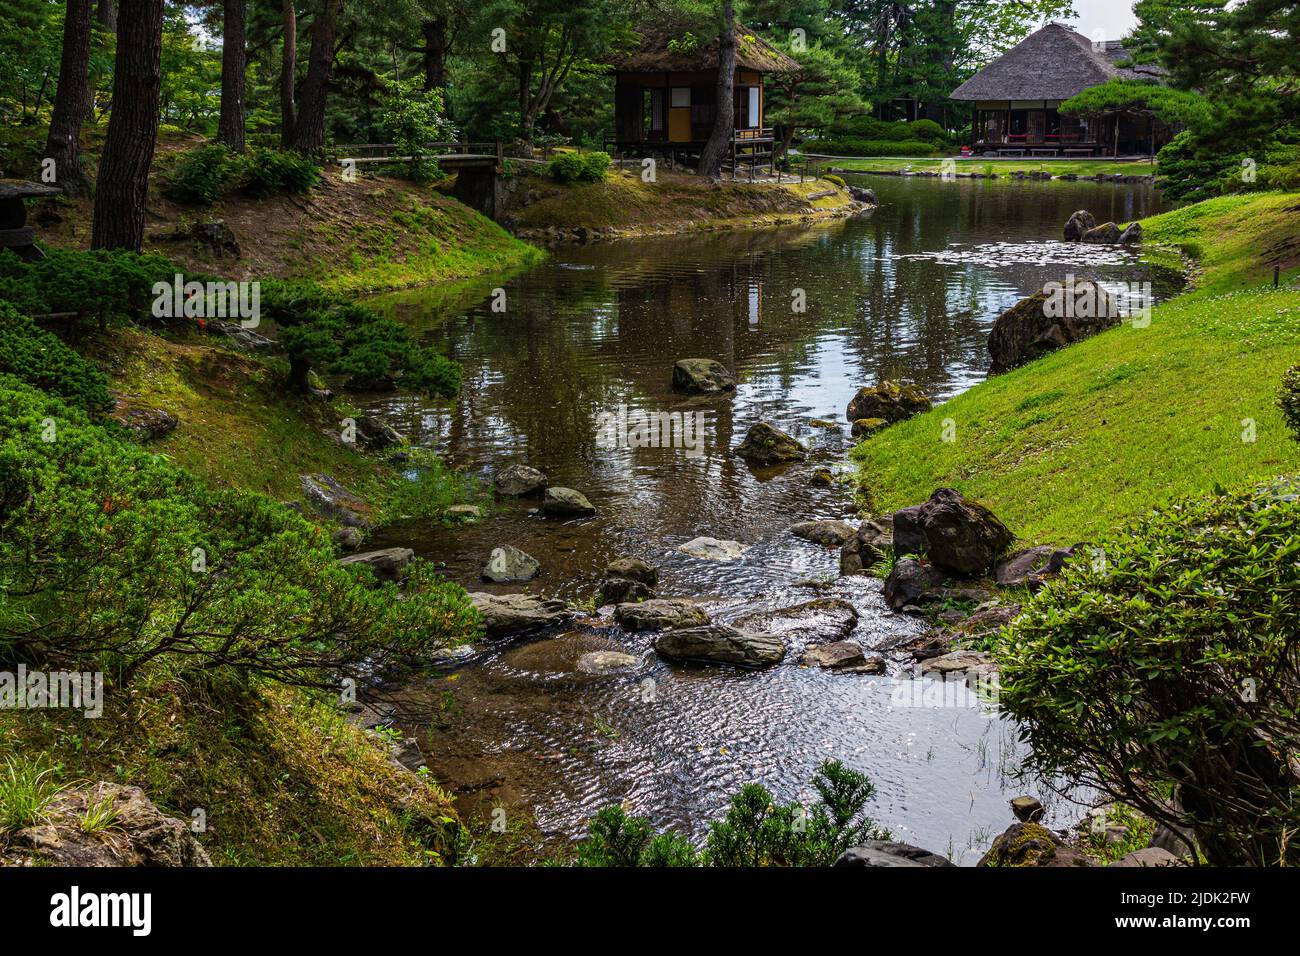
(1066,447)
(623,205)
(369,235)
(1003,167)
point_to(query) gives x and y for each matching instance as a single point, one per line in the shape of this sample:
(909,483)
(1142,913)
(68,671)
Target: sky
(1114,17)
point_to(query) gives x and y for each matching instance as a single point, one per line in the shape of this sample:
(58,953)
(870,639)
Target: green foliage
(570,167)
(1174,664)
(26,789)
(113,284)
(1170,106)
(414,117)
(207,172)
(1288,399)
(323,331)
(265,172)
(112,559)
(201,175)
(834,180)
(1191,172)
(871,147)
(756,830)
(37,357)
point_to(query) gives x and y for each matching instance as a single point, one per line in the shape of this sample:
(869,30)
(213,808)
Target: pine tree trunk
(63,144)
(435,53)
(724,120)
(234,59)
(288,64)
(106,14)
(309,135)
(123,182)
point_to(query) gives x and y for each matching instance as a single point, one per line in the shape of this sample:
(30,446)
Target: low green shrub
(1173,667)
(201,175)
(572,167)
(265,172)
(871,147)
(756,831)
(114,284)
(834,180)
(207,172)
(112,559)
(32,355)
(1288,399)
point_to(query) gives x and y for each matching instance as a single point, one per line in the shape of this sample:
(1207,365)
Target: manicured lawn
(1065,448)
(1003,167)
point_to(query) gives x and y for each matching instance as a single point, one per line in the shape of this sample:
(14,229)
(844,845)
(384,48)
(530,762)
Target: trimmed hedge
(579,167)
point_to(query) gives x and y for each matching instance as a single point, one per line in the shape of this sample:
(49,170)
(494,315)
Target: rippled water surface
(907,292)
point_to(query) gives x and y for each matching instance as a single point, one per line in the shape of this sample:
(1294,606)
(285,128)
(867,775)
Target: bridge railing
(392,153)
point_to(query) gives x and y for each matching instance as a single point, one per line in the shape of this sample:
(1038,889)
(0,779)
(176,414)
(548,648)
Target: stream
(908,291)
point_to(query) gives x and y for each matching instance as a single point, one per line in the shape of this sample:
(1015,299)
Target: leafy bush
(265,172)
(579,167)
(325,332)
(108,283)
(415,117)
(834,180)
(868,127)
(112,559)
(30,354)
(1288,399)
(201,175)
(757,831)
(871,147)
(427,488)
(1174,667)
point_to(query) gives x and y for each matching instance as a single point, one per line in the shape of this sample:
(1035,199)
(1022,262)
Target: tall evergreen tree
(63,144)
(234,62)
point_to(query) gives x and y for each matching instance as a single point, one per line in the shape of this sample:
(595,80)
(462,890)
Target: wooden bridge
(478,166)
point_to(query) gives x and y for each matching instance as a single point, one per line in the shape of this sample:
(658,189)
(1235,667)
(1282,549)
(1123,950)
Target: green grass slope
(1068,446)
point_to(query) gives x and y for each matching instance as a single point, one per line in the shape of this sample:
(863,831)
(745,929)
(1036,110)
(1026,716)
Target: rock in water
(519,480)
(1131,235)
(375,433)
(831,533)
(634,569)
(1105,234)
(387,564)
(607,662)
(566,503)
(720,644)
(508,565)
(712,549)
(623,591)
(1031,844)
(1045,322)
(823,619)
(505,614)
(911,582)
(888,401)
(890,854)
(766,445)
(865,547)
(1027,809)
(834,656)
(1078,224)
(660,613)
(962,537)
(702,376)
(866,427)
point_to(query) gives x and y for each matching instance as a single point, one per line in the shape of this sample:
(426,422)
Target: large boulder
(140,835)
(823,619)
(866,546)
(519,480)
(840,655)
(702,376)
(888,401)
(960,536)
(911,583)
(827,532)
(566,503)
(967,663)
(508,565)
(720,644)
(623,591)
(506,614)
(1033,566)
(660,614)
(712,549)
(1131,235)
(387,564)
(1032,844)
(1078,224)
(1105,234)
(1047,321)
(889,854)
(328,497)
(765,445)
(634,569)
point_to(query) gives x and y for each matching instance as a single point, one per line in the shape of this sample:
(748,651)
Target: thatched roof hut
(661,50)
(1017,99)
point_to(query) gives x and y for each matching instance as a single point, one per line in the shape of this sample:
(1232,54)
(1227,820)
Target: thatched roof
(1052,63)
(652,53)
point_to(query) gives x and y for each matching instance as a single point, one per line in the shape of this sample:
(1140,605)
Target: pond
(803,317)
